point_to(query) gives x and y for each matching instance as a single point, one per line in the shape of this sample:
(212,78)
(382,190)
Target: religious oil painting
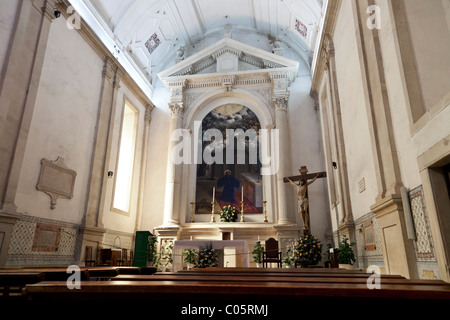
(235,174)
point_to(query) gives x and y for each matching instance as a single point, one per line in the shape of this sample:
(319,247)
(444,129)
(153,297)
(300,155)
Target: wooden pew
(273,278)
(243,285)
(14,282)
(289,274)
(50,274)
(217,290)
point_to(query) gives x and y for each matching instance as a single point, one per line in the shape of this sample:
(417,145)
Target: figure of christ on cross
(302,193)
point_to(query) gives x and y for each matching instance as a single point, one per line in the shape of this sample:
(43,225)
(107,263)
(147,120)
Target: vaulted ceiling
(151,31)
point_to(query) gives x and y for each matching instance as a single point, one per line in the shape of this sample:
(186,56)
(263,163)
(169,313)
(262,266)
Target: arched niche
(196,112)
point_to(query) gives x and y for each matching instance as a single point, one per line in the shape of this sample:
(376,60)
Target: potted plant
(346,256)
(308,250)
(289,258)
(190,257)
(152,254)
(257,252)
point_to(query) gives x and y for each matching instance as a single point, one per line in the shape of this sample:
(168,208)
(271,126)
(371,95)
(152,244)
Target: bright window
(124,176)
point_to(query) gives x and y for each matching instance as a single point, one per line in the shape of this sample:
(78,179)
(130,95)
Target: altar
(234,253)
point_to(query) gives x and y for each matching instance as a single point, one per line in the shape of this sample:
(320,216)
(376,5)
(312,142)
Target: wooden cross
(305,176)
(302,191)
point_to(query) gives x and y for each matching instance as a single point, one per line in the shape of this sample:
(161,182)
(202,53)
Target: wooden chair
(123,261)
(130,262)
(271,253)
(105,257)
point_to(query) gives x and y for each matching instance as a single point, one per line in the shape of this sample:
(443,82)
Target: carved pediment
(229,62)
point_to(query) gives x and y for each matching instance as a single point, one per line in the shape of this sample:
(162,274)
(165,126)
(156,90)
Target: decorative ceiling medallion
(152,43)
(300,27)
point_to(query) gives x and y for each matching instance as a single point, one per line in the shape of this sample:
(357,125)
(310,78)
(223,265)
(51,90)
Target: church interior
(136,133)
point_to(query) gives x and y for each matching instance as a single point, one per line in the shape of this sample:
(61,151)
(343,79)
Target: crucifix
(302,193)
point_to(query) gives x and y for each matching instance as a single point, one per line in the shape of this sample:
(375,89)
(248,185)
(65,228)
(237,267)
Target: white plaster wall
(354,113)
(306,151)
(429,30)
(155,183)
(410,143)
(63,123)
(8,12)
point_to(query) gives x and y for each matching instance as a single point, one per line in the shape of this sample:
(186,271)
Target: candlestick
(213,218)
(265,211)
(242,211)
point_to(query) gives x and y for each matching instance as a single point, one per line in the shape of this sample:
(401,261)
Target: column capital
(109,70)
(281,102)
(148,114)
(176,108)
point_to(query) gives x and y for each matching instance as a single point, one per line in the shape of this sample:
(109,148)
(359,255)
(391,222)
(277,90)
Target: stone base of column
(89,236)
(7,222)
(398,250)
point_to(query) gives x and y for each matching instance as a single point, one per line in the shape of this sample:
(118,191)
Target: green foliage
(152,251)
(257,252)
(346,254)
(308,250)
(190,256)
(229,214)
(289,257)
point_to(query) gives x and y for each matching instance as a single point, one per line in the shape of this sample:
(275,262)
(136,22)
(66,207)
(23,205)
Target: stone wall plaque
(56,180)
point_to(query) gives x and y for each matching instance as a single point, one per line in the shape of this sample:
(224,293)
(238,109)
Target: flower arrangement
(308,250)
(207,258)
(229,214)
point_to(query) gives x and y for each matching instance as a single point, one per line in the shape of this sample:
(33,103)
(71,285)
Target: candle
(258,237)
(214,194)
(242,194)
